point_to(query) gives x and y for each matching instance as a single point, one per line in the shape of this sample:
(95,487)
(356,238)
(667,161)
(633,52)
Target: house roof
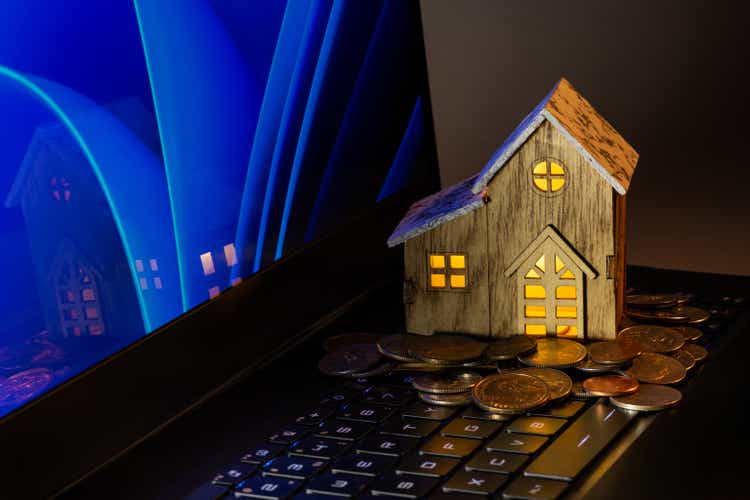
(586,130)
(432,211)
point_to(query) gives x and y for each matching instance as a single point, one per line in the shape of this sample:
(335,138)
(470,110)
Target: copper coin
(684,357)
(555,353)
(451,382)
(650,300)
(445,349)
(698,352)
(653,338)
(510,393)
(346,339)
(510,347)
(695,315)
(579,392)
(610,385)
(649,398)
(394,347)
(559,383)
(652,368)
(24,386)
(614,352)
(460,399)
(589,366)
(355,358)
(657,315)
(690,333)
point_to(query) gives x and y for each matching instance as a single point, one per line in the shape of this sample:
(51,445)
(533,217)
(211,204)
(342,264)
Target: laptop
(187,219)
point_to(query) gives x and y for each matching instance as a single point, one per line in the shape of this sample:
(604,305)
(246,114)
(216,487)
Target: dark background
(670,75)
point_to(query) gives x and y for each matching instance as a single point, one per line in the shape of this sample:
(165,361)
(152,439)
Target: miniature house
(535,242)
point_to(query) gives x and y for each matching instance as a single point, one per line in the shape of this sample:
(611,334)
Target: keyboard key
(403,486)
(565,409)
(271,488)
(580,443)
(526,488)
(515,443)
(314,447)
(392,396)
(540,426)
(234,474)
(427,465)
(289,434)
(497,462)
(441,495)
(409,427)
(364,465)
(474,429)
(475,413)
(294,467)
(346,431)
(449,446)
(478,483)
(429,412)
(315,416)
(366,413)
(340,397)
(394,446)
(338,484)
(262,454)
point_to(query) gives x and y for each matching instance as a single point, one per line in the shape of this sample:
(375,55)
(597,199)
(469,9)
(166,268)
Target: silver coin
(354,358)
(452,382)
(461,399)
(394,347)
(589,366)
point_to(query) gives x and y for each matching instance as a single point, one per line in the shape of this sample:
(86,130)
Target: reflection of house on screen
(83,279)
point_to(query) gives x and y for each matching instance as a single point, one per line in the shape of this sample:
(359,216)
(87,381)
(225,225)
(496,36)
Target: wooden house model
(535,242)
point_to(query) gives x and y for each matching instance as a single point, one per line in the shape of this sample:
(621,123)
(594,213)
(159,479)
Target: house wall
(583,212)
(428,311)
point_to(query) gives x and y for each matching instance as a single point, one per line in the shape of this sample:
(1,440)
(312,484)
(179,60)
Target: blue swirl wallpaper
(154,153)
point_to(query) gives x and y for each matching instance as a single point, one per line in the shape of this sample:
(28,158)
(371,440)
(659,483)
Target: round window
(548,175)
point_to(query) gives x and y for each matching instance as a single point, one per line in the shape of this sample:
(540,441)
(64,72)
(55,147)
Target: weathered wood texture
(582,212)
(449,310)
(620,203)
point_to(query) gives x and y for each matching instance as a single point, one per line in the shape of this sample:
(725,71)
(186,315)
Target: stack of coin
(451,388)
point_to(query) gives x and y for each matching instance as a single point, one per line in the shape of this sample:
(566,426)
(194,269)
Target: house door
(551,293)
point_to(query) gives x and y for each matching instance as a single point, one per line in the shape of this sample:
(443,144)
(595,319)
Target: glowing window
(567,275)
(534,292)
(559,264)
(437,280)
(157,283)
(566,331)
(87,295)
(535,329)
(447,271)
(533,274)
(71,314)
(207,261)
(230,255)
(458,262)
(548,176)
(458,281)
(565,292)
(154,264)
(144,283)
(96,329)
(535,311)
(540,263)
(566,311)
(92,313)
(60,188)
(437,261)
(139,265)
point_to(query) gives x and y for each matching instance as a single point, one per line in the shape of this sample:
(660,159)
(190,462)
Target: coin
(510,347)
(380,369)
(460,399)
(690,333)
(417,367)
(559,383)
(589,366)
(650,300)
(657,315)
(510,393)
(652,368)
(695,315)
(394,347)
(579,392)
(684,357)
(610,385)
(555,353)
(355,358)
(447,382)
(24,385)
(698,352)
(614,352)
(683,298)
(653,338)
(338,341)
(445,349)
(649,398)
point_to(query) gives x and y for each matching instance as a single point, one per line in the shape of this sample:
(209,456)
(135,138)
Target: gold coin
(394,347)
(460,399)
(510,393)
(657,315)
(690,333)
(445,349)
(614,352)
(698,352)
(589,366)
(653,338)
(452,382)
(650,300)
(555,353)
(344,340)
(684,357)
(417,367)
(351,359)
(510,347)
(579,392)
(559,383)
(652,368)
(649,398)
(610,385)
(695,315)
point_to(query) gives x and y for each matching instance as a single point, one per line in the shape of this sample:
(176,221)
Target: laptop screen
(154,154)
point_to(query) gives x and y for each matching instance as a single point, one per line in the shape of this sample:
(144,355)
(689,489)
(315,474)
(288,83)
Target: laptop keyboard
(375,438)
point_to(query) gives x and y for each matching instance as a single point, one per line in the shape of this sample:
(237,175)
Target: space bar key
(580,443)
